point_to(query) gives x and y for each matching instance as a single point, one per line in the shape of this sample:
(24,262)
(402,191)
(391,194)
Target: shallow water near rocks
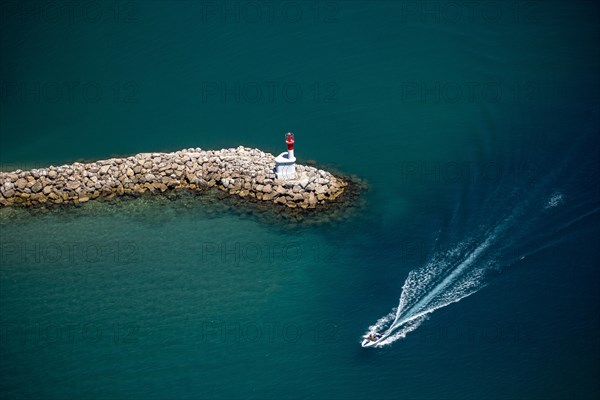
(196,298)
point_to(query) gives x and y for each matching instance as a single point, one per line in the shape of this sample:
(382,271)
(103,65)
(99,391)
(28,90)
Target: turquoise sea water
(475,125)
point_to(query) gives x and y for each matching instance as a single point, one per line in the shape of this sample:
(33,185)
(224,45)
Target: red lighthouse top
(289,140)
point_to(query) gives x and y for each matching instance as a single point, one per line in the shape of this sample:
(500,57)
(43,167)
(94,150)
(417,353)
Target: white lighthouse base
(285,166)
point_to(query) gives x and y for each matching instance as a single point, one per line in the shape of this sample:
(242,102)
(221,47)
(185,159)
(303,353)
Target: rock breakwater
(242,172)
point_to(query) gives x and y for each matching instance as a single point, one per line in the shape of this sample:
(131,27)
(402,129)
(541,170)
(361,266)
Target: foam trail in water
(537,216)
(464,286)
(426,290)
(446,279)
(454,275)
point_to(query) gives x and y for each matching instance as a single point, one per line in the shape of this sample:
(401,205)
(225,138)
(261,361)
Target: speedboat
(371,339)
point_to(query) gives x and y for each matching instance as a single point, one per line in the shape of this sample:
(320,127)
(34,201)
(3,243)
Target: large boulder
(37,187)
(73,185)
(21,183)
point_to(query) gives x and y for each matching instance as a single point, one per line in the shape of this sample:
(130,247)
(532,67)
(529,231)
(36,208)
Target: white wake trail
(446,279)
(452,276)
(403,317)
(537,216)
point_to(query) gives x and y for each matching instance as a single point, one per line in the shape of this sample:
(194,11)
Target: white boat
(371,339)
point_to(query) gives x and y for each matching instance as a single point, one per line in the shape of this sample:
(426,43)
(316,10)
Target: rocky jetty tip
(242,172)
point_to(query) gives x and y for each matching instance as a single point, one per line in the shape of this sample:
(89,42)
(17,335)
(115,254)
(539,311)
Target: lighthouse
(289,140)
(285,163)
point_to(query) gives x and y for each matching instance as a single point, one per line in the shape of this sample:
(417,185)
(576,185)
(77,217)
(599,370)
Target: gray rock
(73,185)
(303,183)
(37,187)
(21,183)
(7,186)
(268,196)
(8,192)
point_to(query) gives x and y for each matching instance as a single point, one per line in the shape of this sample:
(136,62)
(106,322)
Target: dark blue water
(475,125)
